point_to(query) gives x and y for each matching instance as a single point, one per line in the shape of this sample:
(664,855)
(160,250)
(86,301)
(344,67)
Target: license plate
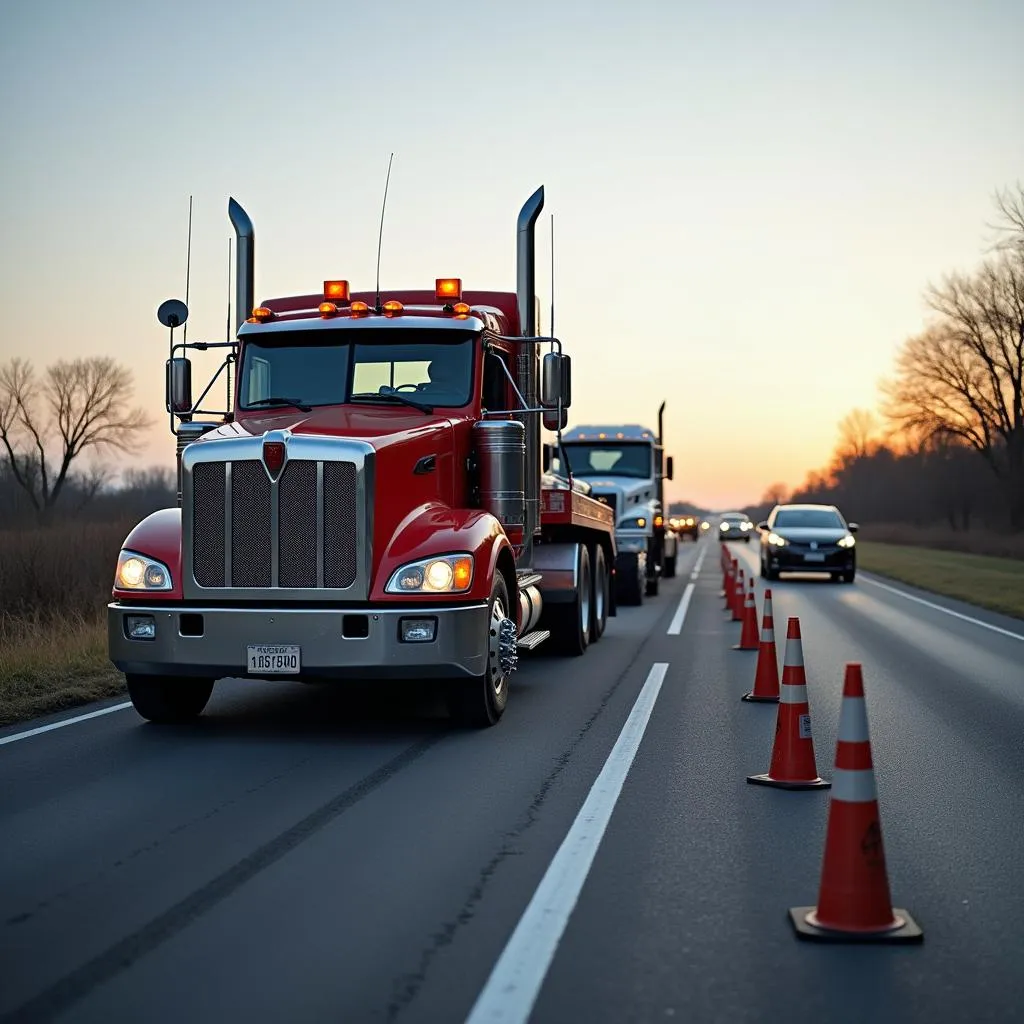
(814,558)
(271,658)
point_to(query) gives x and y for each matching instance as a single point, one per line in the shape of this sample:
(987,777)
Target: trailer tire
(165,699)
(478,703)
(652,586)
(670,567)
(630,582)
(600,596)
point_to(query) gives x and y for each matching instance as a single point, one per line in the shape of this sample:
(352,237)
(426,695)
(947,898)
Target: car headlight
(723,527)
(746,526)
(776,541)
(445,574)
(846,542)
(137,572)
(636,523)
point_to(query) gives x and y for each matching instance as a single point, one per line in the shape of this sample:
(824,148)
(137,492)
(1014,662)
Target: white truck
(626,468)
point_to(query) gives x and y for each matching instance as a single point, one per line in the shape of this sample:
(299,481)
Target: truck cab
(370,502)
(625,467)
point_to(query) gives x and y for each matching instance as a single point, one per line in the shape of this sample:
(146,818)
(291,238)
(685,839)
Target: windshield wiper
(276,400)
(370,396)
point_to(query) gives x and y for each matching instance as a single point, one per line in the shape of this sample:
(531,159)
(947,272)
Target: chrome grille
(250,525)
(606,499)
(301,533)
(339,524)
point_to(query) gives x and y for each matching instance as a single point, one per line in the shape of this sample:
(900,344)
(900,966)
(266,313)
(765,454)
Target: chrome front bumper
(459,647)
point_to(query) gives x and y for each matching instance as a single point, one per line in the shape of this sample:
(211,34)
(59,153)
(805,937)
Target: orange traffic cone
(766,676)
(737,597)
(748,636)
(726,562)
(792,764)
(853,902)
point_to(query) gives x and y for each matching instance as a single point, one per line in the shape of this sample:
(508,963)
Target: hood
(805,534)
(630,493)
(379,427)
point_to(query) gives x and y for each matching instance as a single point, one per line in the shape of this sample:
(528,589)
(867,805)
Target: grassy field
(984,580)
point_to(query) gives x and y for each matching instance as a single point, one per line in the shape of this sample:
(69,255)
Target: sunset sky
(748,198)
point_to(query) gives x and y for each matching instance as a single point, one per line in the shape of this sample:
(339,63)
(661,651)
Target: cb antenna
(188,266)
(380,235)
(552,331)
(227,326)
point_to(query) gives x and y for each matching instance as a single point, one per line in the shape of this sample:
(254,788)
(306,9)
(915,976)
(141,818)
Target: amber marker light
(448,289)
(260,315)
(358,309)
(393,307)
(463,574)
(461,310)
(328,309)
(336,291)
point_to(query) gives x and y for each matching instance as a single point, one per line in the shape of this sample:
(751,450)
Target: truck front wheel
(167,699)
(479,703)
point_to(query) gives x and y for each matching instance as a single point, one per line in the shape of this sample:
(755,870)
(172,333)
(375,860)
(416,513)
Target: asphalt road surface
(339,855)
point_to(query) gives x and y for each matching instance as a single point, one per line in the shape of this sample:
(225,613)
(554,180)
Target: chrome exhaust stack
(245,273)
(528,364)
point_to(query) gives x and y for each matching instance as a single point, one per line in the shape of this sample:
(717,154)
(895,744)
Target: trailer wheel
(601,595)
(167,699)
(479,703)
(652,586)
(630,581)
(670,567)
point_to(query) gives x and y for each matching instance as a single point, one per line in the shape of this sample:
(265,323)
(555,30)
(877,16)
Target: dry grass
(54,586)
(994,583)
(941,538)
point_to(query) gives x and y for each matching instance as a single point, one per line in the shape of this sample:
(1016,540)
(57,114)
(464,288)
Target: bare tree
(1009,227)
(45,425)
(776,494)
(858,433)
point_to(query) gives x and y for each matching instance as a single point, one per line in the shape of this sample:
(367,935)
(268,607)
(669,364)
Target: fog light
(418,631)
(140,627)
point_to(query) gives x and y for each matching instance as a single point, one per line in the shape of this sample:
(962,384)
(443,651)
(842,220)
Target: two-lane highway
(319,854)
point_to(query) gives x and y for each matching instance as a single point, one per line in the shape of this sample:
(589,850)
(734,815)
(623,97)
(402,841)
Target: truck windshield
(310,368)
(610,459)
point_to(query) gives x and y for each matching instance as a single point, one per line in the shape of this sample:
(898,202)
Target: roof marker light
(461,310)
(393,308)
(328,309)
(336,290)
(359,309)
(448,289)
(261,314)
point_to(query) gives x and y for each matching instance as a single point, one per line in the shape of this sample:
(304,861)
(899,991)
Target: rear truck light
(444,574)
(137,572)
(140,627)
(336,291)
(417,631)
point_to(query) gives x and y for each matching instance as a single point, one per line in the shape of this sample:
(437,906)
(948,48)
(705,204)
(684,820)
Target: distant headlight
(746,526)
(447,574)
(776,541)
(137,572)
(846,542)
(723,527)
(636,523)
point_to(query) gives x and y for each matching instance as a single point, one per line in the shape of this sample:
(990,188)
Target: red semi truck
(371,504)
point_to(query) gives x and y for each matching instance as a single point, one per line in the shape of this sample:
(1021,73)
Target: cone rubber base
(909,931)
(740,647)
(759,699)
(767,780)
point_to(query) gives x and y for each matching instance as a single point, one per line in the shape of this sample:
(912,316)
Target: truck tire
(167,699)
(651,588)
(670,567)
(600,595)
(571,623)
(629,586)
(478,703)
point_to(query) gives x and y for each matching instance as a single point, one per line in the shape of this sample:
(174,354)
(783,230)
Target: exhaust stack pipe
(245,277)
(528,364)
(661,419)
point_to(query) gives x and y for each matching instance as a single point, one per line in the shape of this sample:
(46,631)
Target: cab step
(528,579)
(533,639)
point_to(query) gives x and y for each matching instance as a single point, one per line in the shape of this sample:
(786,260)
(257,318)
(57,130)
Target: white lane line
(60,725)
(676,625)
(940,608)
(700,562)
(512,988)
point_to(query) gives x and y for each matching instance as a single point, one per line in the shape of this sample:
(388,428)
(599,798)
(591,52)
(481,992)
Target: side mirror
(554,422)
(547,457)
(556,381)
(853,527)
(763,526)
(179,386)
(668,468)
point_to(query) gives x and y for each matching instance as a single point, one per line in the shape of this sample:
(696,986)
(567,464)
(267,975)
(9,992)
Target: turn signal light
(260,315)
(448,289)
(328,309)
(461,310)
(393,307)
(463,572)
(336,290)
(659,521)
(358,309)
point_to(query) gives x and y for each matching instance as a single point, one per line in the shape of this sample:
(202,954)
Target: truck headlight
(137,572)
(445,574)
(636,523)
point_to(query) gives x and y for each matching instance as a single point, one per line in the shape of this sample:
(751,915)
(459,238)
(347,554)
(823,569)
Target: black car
(808,538)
